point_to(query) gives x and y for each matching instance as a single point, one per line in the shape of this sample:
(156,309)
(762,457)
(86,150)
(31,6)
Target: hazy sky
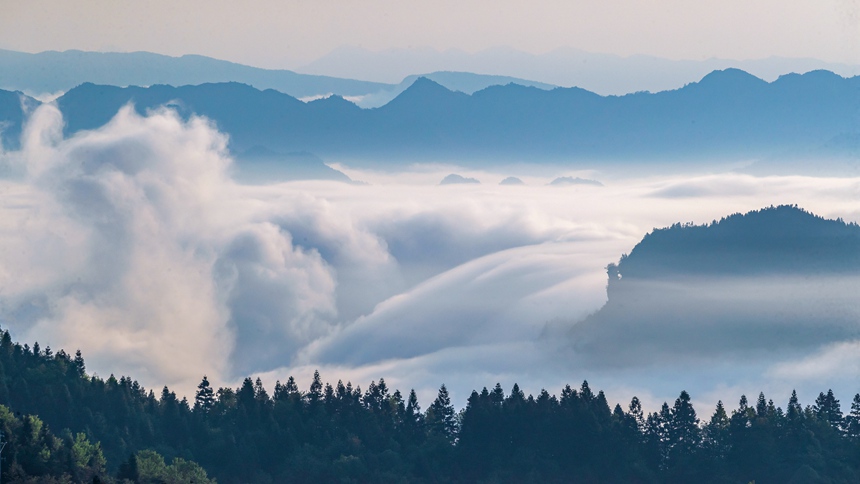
(287,33)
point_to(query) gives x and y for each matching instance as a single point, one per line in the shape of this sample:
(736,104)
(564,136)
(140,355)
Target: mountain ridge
(52,72)
(27,72)
(712,119)
(606,74)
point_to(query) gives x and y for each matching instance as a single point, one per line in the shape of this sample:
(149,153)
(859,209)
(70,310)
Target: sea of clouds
(133,244)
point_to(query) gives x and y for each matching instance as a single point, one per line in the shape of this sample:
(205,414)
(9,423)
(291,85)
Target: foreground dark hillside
(114,430)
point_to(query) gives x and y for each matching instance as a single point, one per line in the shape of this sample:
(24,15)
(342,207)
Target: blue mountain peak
(730,78)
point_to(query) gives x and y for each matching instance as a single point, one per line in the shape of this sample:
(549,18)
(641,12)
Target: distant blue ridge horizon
(52,72)
(728,113)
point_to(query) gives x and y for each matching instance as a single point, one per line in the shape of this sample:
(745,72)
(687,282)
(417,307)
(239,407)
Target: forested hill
(775,240)
(772,280)
(727,114)
(63,425)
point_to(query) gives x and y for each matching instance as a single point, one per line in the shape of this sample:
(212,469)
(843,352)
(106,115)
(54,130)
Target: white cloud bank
(132,243)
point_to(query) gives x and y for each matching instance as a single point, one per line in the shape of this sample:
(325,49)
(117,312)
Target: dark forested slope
(94,430)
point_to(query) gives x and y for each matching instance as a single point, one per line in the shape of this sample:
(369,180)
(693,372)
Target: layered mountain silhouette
(465,82)
(49,72)
(728,114)
(777,279)
(57,72)
(598,72)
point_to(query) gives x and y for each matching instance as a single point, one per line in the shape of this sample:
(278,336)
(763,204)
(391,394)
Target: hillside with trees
(64,425)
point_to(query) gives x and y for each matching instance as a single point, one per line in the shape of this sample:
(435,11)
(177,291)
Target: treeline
(114,430)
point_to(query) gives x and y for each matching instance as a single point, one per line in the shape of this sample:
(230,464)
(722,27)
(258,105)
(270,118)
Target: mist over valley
(401,276)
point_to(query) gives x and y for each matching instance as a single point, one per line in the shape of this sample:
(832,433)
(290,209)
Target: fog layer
(133,243)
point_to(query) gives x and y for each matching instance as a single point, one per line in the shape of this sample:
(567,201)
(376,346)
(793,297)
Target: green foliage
(87,455)
(114,430)
(34,454)
(152,469)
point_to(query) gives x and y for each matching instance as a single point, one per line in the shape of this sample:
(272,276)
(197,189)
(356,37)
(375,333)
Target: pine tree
(852,420)
(260,393)
(204,399)
(634,410)
(684,434)
(397,408)
(79,364)
(441,418)
(741,417)
(655,437)
(245,395)
(315,395)
(585,393)
(413,418)
(288,392)
(761,406)
(794,411)
(716,432)
(827,409)
(497,396)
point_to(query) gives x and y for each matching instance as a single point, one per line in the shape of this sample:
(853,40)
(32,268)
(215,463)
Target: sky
(290,33)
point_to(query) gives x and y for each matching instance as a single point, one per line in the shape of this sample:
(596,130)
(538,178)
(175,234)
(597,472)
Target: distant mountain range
(49,72)
(728,114)
(601,73)
(57,72)
(464,82)
(772,280)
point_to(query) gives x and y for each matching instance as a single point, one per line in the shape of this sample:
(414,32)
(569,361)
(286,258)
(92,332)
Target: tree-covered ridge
(114,429)
(781,239)
(32,453)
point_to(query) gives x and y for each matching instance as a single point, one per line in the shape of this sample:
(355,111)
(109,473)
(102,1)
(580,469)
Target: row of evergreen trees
(115,430)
